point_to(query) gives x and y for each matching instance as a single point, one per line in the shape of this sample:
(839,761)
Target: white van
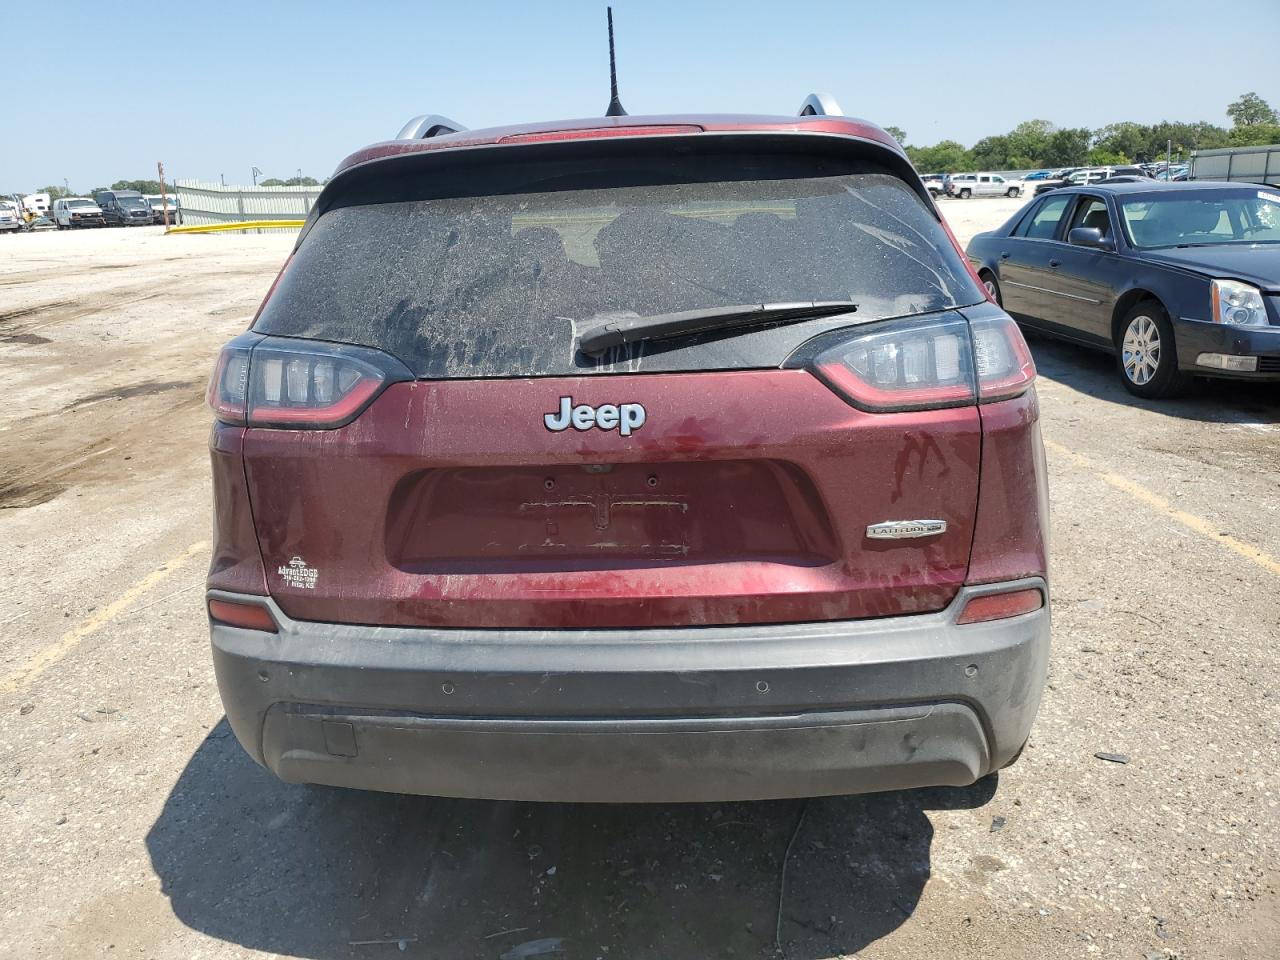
(70,212)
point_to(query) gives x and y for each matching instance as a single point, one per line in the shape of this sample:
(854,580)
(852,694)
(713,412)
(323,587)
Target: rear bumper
(1196,337)
(655,715)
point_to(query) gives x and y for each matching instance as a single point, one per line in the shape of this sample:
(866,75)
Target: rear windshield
(501,286)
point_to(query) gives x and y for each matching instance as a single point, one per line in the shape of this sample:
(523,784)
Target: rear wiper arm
(663,326)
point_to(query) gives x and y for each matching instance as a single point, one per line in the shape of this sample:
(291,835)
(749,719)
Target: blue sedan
(1177,280)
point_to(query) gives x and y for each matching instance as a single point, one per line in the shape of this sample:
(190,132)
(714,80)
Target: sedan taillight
(297,384)
(918,364)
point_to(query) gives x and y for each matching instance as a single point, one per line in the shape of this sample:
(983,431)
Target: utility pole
(164,196)
(256,174)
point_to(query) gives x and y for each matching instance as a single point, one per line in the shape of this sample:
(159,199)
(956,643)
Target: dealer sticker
(298,575)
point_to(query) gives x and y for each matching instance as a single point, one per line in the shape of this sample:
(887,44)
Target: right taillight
(1001,606)
(1001,358)
(297,384)
(919,364)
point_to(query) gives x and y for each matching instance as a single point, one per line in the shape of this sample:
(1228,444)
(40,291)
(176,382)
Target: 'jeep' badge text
(624,417)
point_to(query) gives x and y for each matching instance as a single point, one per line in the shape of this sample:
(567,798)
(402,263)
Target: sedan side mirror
(1089,237)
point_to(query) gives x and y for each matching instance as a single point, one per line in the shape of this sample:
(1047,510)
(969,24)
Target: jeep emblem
(624,417)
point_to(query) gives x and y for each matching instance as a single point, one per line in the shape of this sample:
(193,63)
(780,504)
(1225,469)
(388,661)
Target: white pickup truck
(10,218)
(966,185)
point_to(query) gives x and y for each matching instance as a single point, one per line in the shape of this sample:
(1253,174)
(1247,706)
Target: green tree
(1127,139)
(1185,136)
(291,182)
(897,133)
(1068,147)
(142,186)
(57,193)
(1255,135)
(991,153)
(1028,142)
(1102,157)
(1250,110)
(945,157)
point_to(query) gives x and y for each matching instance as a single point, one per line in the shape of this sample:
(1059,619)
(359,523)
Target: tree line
(1038,143)
(1030,145)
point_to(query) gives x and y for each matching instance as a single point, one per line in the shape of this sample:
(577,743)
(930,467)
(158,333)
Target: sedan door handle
(1004,255)
(1055,263)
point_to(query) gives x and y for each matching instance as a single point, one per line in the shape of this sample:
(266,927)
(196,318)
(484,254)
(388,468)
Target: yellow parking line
(65,644)
(1189,520)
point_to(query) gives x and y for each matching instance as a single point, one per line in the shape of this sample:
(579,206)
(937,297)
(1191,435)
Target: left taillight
(298,384)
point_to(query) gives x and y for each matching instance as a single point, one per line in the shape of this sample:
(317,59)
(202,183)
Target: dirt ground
(133,826)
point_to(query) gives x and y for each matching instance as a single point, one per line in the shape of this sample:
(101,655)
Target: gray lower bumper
(666,714)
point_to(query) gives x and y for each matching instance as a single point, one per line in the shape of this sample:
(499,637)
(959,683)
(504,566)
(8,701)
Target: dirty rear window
(502,285)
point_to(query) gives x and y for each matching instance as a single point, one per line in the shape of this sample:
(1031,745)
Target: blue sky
(299,85)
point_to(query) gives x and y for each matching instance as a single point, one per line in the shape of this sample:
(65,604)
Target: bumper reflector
(999,606)
(1227,361)
(246,615)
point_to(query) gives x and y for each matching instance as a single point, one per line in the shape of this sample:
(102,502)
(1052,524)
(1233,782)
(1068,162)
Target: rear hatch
(428,443)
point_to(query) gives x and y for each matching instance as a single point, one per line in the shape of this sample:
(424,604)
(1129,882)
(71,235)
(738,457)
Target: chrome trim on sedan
(1056,293)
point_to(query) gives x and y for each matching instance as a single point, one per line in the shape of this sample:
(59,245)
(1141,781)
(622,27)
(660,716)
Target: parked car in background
(1086,175)
(157,204)
(1037,175)
(10,217)
(935,183)
(966,185)
(1176,280)
(124,208)
(738,495)
(70,212)
(36,204)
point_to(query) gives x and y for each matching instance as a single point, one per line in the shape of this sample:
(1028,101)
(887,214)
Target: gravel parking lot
(134,826)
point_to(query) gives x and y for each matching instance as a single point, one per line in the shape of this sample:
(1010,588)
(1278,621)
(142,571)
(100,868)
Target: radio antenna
(615,105)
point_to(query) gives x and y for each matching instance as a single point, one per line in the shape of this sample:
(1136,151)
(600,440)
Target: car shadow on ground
(322,873)
(1208,400)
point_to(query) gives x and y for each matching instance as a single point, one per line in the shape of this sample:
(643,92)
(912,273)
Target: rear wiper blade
(663,326)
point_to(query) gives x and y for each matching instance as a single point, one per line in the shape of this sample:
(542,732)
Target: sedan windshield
(1208,218)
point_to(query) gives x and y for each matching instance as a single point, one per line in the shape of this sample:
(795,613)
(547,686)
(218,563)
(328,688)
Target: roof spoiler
(433,125)
(820,105)
(428,125)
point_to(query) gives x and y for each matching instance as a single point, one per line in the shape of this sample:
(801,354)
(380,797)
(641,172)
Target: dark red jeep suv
(629,459)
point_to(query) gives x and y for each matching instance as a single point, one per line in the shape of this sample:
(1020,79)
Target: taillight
(248,616)
(298,384)
(1001,358)
(229,385)
(1000,606)
(919,364)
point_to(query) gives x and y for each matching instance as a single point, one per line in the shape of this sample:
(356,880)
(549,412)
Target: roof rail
(428,125)
(820,105)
